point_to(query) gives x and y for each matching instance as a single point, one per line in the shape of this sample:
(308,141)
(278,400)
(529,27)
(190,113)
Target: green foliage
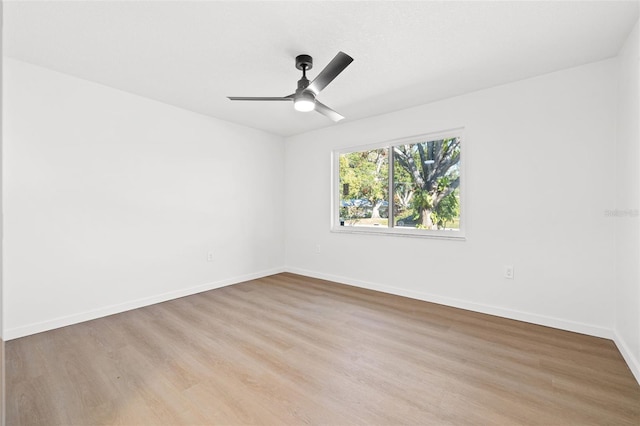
(363,176)
(433,172)
(422,200)
(448,210)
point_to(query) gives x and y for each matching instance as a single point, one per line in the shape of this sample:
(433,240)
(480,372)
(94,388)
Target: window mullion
(390,191)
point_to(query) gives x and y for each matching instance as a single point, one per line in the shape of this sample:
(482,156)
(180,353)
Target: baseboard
(17,332)
(627,354)
(14,333)
(546,321)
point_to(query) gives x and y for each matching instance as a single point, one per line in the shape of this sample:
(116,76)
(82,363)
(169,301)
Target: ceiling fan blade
(326,111)
(331,71)
(258,98)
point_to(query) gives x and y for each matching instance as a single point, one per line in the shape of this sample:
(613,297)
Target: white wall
(2,363)
(1,199)
(539,172)
(112,201)
(627,302)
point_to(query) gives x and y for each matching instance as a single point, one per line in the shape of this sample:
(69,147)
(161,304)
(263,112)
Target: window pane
(426,180)
(364,188)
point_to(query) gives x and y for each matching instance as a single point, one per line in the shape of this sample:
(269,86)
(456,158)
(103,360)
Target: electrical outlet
(317,248)
(508,272)
(210,256)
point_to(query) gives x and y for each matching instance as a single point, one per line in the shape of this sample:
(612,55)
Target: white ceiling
(194,54)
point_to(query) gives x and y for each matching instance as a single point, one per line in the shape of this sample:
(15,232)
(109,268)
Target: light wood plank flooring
(294,350)
(1,382)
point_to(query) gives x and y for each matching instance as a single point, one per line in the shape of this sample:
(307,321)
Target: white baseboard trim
(26,330)
(627,354)
(546,321)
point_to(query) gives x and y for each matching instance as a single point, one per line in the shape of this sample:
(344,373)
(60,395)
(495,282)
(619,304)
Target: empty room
(320,212)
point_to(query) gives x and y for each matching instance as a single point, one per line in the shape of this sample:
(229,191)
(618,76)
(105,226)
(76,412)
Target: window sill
(400,232)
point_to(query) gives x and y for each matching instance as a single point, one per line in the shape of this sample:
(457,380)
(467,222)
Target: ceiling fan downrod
(304,100)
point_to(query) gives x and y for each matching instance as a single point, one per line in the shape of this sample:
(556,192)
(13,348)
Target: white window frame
(391,229)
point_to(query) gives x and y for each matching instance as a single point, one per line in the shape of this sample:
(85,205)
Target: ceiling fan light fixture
(304,102)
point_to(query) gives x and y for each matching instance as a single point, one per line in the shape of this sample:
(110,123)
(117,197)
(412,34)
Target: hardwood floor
(2,423)
(288,349)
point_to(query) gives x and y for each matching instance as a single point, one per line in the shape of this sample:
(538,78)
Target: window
(409,187)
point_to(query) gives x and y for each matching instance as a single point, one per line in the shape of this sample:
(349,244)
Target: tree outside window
(425,181)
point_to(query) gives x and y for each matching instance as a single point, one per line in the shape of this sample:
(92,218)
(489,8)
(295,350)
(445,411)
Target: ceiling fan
(304,99)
